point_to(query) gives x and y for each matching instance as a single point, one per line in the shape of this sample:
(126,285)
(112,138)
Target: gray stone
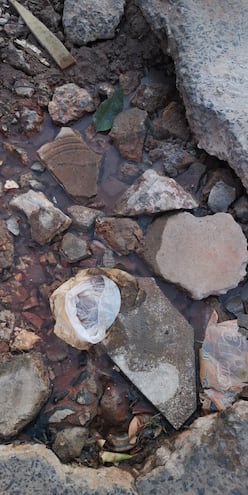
(82,217)
(69,442)
(25,387)
(211,457)
(240,208)
(128,133)
(73,163)
(208,41)
(6,247)
(234,305)
(154,347)
(152,96)
(203,255)
(69,103)
(192,177)
(89,20)
(221,197)
(74,248)
(34,469)
(153,193)
(44,218)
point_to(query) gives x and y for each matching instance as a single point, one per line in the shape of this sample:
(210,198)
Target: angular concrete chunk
(153,345)
(208,41)
(152,193)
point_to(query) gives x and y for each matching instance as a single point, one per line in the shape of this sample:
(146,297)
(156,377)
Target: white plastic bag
(92,306)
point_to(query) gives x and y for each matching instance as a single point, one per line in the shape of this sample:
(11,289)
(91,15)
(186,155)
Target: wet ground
(38,270)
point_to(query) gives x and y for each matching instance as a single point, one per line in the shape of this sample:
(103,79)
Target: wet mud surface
(105,395)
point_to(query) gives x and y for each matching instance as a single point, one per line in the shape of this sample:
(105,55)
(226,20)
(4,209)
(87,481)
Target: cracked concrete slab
(208,41)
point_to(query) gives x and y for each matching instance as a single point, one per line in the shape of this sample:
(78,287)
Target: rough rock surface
(153,345)
(221,196)
(74,248)
(44,218)
(208,41)
(210,457)
(123,235)
(34,469)
(24,385)
(72,163)
(153,193)
(203,255)
(69,442)
(69,103)
(6,247)
(89,20)
(83,217)
(128,133)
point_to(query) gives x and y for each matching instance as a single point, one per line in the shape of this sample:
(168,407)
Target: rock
(24,340)
(45,219)
(201,461)
(234,305)
(7,323)
(17,152)
(128,133)
(115,405)
(74,248)
(25,387)
(10,185)
(192,177)
(240,208)
(203,255)
(106,89)
(173,155)
(213,99)
(70,103)
(171,123)
(82,217)
(153,346)
(152,96)
(73,163)
(69,443)
(24,88)
(6,247)
(85,21)
(123,235)
(32,118)
(221,196)
(153,193)
(33,468)
(129,81)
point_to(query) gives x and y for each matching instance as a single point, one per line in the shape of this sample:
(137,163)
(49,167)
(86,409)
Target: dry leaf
(135,425)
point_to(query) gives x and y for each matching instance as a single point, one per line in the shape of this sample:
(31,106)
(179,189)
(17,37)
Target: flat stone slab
(211,457)
(208,41)
(153,345)
(34,469)
(152,193)
(203,255)
(25,387)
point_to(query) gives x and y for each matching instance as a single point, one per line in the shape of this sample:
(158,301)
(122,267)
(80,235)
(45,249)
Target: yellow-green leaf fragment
(47,39)
(113,457)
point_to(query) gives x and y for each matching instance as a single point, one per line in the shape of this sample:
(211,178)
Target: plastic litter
(92,307)
(223,362)
(84,307)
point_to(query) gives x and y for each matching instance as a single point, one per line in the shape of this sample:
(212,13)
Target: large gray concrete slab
(208,41)
(153,345)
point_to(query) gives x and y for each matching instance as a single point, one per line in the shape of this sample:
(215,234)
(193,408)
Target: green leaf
(104,116)
(113,457)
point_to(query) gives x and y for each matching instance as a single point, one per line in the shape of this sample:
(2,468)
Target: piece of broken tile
(152,193)
(153,345)
(74,165)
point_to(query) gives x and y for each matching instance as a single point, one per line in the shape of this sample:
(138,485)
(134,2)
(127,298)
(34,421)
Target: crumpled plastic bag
(223,362)
(84,307)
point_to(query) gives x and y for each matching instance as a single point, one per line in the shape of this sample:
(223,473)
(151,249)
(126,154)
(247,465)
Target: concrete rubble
(203,255)
(152,344)
(208,42)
